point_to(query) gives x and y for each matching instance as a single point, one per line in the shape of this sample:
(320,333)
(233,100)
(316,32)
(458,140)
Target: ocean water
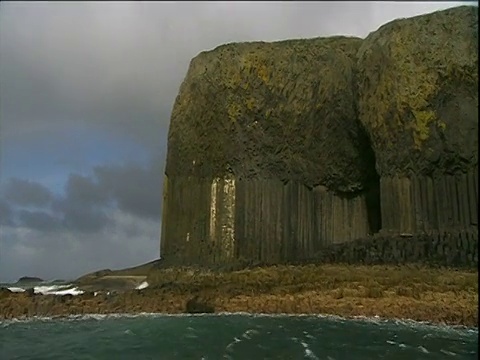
(231,336)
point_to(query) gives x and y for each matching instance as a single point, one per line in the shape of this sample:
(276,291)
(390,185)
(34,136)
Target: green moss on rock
(283,110)
(418,92)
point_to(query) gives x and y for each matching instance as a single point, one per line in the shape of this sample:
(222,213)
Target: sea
(231,336)
(225,336)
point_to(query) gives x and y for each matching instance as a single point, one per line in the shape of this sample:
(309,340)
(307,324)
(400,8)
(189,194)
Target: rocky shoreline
(440,296)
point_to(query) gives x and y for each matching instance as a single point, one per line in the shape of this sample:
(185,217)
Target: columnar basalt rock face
(277,150)
(418,101)
(260,132)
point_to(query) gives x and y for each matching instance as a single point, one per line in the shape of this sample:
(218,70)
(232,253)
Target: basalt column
(418,100)
(267,160)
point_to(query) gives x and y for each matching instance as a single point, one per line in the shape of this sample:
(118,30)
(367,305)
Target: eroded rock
(284,110)
(418,93)
(198,306)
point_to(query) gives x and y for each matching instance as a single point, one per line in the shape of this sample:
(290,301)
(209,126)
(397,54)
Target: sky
(86,92)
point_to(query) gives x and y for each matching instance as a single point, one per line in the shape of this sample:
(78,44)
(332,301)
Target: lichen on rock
(325,141)
(241,103)
(418,92)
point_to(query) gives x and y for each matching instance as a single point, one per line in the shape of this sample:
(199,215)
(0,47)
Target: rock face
(197,306)
(277,150)
(418,100)
(418,93)
(255,96)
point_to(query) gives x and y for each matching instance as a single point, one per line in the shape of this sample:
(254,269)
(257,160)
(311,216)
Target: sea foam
(142,286)
(68,289)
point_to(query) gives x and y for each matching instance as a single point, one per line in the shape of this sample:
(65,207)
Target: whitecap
(16,289)
(57,290)
(142,286)
(446,352)
(230,346)
(48,289)
(307,335)
(308,353)
(72,291)
(422,349)
(247,334)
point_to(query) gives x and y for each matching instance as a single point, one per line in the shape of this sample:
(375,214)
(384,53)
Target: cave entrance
(371,183)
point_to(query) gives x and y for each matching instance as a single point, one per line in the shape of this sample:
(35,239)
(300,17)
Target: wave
(373,320)
(16,289)
(66,289)
(142,286)
(60,289)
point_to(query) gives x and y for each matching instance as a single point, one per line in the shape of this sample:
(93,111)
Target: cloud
(87,202)
(39,220)
(6,213)
(85,219)
(118,66)
(135,189)
(84,191)
(24,192)
(126,241)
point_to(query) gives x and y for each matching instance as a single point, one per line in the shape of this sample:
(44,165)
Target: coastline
(98,317)
(435,296)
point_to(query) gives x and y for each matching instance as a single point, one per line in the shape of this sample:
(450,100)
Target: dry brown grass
(407,281)
(415,292)
(424,294)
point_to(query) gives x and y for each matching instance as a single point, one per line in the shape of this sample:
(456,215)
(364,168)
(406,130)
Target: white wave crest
(15,289)
(57,290)
(142,286)
(409,323)
(50,290)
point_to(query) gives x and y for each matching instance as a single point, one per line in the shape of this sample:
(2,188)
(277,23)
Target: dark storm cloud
(6,213)
(84,218)
(135,189)
(24,192)
(118,65)
(85,191)
(39,220)
(87,201)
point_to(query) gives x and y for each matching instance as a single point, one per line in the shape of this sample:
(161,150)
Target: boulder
(197,306)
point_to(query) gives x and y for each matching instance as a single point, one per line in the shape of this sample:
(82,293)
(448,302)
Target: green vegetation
(405,65)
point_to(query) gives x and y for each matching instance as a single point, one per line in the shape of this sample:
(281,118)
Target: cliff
(418,100)
(279,150)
